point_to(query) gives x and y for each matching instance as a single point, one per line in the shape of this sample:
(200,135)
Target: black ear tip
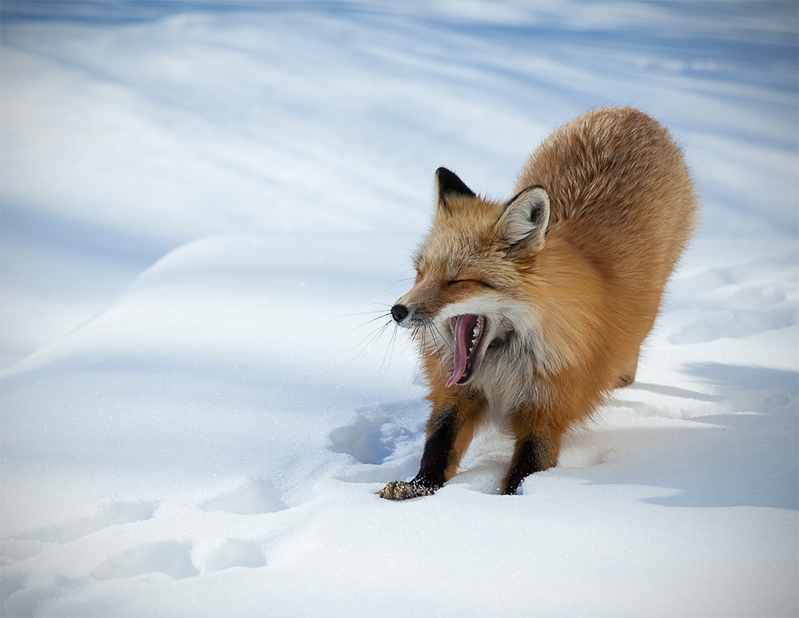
(446,178)
(450,184)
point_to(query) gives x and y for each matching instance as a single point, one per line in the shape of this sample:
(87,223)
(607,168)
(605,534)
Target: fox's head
(468,305)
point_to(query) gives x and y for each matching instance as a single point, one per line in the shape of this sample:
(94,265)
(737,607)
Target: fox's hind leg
(449,432)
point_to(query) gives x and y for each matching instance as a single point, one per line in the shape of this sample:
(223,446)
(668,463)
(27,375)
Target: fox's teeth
(478,327)
(463,349)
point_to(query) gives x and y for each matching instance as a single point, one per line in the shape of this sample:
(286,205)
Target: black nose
(399,313)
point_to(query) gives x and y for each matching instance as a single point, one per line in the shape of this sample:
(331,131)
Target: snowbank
(202,430)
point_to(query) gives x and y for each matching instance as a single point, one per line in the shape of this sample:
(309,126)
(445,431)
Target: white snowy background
(205,205)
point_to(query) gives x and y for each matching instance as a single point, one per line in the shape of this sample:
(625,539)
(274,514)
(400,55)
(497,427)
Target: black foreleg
(533,454)
(437,452)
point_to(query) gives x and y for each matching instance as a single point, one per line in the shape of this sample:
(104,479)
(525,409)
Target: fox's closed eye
(475,281)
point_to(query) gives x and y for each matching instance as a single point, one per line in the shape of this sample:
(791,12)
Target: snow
(207,211)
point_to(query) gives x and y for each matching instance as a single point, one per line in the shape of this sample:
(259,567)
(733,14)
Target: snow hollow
(207,211)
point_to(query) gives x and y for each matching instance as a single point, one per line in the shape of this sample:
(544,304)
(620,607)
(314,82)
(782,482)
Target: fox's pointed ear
(526,218)
(449,185)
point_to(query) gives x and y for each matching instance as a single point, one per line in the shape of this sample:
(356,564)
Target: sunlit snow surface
(207,210)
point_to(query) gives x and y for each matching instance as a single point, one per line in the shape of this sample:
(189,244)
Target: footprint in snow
(19,600)
(169,557)
(29,544)
(380,432)
(362,439)
(15,550)
(257,498)
(381,441)
(233,553)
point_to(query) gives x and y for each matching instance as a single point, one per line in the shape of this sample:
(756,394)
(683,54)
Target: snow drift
(207,213)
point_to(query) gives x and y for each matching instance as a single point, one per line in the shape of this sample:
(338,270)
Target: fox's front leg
(449,432)
(537,448)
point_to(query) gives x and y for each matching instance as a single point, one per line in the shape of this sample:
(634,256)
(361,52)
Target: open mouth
(468,331)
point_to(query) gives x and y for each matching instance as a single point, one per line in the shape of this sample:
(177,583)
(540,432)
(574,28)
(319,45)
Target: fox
(528,312)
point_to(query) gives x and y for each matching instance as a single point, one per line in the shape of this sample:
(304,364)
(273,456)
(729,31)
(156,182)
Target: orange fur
(567,278)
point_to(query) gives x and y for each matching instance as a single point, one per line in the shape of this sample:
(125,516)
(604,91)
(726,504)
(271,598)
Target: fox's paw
(400,490)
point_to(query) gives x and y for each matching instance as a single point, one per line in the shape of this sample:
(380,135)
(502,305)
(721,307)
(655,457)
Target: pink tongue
(462,335)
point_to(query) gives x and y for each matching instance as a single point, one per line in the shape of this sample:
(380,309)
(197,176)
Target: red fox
(528,312)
